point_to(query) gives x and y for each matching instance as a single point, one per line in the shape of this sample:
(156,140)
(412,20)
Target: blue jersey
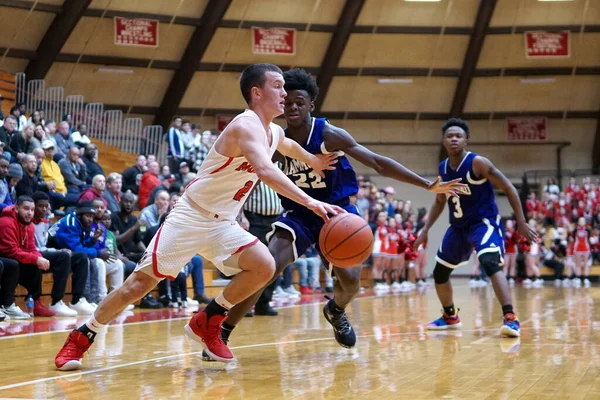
(477,203)
(337,185)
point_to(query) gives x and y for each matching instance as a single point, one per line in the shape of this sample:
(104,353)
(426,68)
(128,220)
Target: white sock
(220,300)
(94,325)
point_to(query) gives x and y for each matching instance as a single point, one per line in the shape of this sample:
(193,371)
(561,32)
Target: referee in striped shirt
(262,209)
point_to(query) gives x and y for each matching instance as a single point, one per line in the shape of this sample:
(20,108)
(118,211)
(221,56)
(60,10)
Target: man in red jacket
(149,181)
(17,242)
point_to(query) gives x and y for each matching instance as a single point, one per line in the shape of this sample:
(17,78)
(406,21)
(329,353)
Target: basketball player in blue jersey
(297,230)
(474,224)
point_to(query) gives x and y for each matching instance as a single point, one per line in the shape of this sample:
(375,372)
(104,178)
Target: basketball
(346,240)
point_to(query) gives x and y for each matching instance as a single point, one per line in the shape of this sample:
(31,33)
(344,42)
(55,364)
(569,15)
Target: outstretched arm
(339,139)
(252,146)
(483,168)
(319,163)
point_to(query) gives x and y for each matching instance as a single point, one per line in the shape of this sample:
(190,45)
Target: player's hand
(453,187)
(43,264)
(421,239)
(323,162)
(323,209)
(528,233)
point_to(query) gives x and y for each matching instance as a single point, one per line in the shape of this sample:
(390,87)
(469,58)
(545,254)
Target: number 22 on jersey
(458,212)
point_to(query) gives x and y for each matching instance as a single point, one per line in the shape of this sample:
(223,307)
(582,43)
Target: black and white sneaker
(344,333)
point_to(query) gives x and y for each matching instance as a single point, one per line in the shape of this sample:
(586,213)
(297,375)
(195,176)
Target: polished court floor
(294,355)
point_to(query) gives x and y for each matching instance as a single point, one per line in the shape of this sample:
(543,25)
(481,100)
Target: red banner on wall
(136,32)
(527,128)
(223,121)
(541,44)
(273,41)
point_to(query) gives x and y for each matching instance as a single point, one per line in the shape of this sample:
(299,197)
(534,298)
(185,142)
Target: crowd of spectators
(61,214)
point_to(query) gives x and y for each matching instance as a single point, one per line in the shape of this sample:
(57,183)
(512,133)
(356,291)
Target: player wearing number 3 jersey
(203,221)
(474,224)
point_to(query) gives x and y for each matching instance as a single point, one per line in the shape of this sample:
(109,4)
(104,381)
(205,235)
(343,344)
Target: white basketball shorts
(188,231)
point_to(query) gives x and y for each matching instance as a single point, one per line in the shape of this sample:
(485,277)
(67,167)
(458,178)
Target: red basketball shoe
(208,332)
(69,357)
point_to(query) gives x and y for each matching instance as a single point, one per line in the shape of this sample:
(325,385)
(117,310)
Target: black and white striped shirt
(263,201)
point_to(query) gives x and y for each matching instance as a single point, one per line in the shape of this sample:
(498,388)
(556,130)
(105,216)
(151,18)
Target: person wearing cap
(5,199)
(96,191)
(14,175)
(74,232)
(184,176)
(77,262)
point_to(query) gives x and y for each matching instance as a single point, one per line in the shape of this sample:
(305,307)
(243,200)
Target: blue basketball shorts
(485,236)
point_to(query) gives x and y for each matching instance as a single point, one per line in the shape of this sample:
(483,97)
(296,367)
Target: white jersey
(223,183)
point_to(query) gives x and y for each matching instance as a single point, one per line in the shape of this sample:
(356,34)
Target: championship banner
(223,121)
(273,41)
(541,44)
(527,128)
(136,32)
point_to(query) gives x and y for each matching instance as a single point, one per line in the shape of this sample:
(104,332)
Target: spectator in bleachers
(112,194)
(39,135)
(16,113)
(173,199)
(63,138)
(149,181)
(90,157)
(7,131)
(74,171)
(69,120)
(53,177)
(29,181)
(80,137)
(22,116)
(50,129)
(184,176)
(14,175)
(77,263)
(170,185)
(132,176)
(96,191)
(199,150)
(23,142)
(5,199)
(152,214)
(36,118)
(75,233)
(17,242)
(150,158)
(187,137)
(552,188)
(1,112)
(176,146)
(111,244)
(165,173)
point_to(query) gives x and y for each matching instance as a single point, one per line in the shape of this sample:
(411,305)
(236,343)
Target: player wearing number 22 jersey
(474,224)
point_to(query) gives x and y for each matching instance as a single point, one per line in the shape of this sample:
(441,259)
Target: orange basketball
(346,240)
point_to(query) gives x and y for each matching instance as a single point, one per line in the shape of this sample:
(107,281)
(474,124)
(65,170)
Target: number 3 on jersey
(239,195)
(458,212)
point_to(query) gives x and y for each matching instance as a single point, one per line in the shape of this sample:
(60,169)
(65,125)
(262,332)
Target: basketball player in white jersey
(203,221)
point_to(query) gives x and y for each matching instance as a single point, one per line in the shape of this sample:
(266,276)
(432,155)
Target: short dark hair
(299,79)
(175,117)
(254,76)
(461,123)
(40,196)
(196,126)
(185,121)
(23,199)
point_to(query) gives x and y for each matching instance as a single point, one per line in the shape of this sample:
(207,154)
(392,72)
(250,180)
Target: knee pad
(441,273)
(490,262)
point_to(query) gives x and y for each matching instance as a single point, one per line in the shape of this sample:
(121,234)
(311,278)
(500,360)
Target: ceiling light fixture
(394,80)
(115,71)
(538,80)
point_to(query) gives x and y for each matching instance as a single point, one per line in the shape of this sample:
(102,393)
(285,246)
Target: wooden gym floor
(294,356)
